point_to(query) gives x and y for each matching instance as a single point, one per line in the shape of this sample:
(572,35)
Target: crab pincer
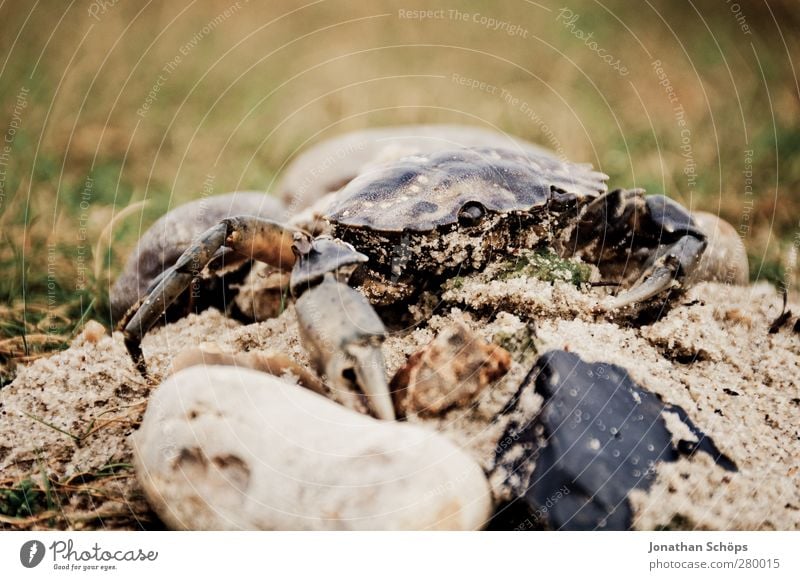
(339,328)
(248,237)
(654,230)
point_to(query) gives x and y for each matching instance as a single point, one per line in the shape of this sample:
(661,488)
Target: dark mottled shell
(420,193)
(331,164)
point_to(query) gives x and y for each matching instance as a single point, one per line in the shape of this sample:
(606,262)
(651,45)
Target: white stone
(232,448)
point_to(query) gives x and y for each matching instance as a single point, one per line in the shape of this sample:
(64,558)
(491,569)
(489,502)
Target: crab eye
(471,214)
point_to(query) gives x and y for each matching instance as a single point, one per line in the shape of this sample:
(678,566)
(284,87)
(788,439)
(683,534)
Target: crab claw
(343,335)
(629,222)
(370,372)
(320,256)
(166,288)
(249,237)
(675,263)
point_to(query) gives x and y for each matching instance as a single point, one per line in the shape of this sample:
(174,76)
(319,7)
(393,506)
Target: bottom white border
(355,555)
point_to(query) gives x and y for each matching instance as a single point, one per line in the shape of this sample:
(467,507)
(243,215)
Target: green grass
(23,500)
(44,501)
(241,102)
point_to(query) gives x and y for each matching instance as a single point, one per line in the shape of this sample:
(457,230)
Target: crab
(419,211)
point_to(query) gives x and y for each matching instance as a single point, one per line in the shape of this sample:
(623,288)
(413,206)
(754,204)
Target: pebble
(233,448)
(598,436)
(449,372)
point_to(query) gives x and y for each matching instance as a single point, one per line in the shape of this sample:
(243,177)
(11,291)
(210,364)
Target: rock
(232,448)
(598,436)
(263,292)
(93,331)
(725,255)
(451,371)
(274,363)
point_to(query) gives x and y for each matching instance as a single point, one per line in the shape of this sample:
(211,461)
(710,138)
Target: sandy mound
(69,416)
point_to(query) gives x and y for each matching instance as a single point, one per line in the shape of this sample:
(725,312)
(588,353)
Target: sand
(711,354)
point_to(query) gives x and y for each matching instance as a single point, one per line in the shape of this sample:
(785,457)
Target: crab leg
(248,237)
(339,328)
(343,336)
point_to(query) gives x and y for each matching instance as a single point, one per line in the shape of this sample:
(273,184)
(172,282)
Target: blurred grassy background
(106,104)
